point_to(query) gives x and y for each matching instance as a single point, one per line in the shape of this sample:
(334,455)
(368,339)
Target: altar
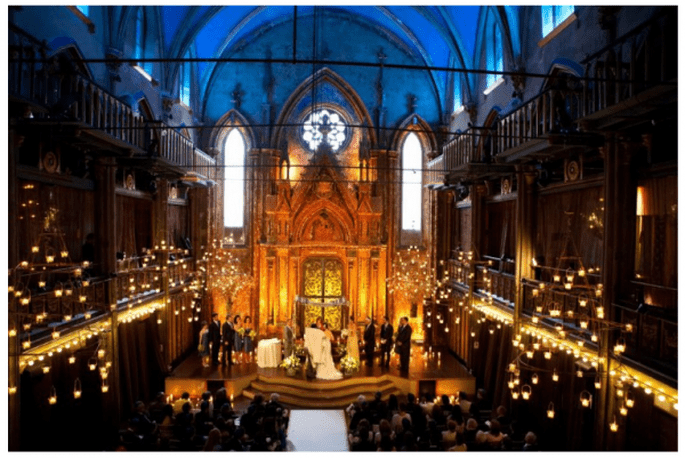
(269,353)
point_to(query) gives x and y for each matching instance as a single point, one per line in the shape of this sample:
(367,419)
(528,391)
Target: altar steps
(300,392)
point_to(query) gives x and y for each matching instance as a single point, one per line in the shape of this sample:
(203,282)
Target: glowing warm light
(12,390)
(623,411)
(555,376)
(614,426)
(12,332)
(550,410)
(534,379)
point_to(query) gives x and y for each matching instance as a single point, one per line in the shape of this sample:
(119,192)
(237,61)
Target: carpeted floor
(317,431)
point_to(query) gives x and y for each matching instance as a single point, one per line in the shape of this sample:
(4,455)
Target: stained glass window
(324,124)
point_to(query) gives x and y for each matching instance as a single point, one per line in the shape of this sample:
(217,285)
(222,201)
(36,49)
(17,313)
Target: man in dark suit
(386,341)
(369,341)
(403,343)
(227,338)
(215,337)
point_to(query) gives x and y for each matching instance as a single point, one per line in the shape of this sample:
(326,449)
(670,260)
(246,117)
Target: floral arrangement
(344,333)
(349,364)
(291,362)
(252,332)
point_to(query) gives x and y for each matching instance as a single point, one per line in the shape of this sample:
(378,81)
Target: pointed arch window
(184,80)
(234,179)
(494,60)
(554,16)
(412,189)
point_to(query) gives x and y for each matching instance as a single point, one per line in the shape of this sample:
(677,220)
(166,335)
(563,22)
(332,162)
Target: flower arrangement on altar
(349,364)
(292,362)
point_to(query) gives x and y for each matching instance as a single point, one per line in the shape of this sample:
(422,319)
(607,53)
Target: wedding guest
(386,341)
(288,338)
(403,343)
(369,341)
(227,339)
(215,337)
(238,333)
(203,348)
(248,345)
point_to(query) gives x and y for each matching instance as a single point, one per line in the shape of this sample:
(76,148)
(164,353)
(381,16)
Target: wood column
(525,236)
(14,345)
(105,257)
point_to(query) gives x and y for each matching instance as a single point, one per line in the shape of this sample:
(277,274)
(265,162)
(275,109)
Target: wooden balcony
(632,81)
(55,94)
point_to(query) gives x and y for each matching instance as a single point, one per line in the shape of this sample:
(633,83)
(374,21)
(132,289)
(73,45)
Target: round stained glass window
(324,126)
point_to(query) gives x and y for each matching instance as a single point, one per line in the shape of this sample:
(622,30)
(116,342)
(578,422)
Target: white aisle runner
(317,431)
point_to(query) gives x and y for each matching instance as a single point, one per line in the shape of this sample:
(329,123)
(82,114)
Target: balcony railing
(459,151)
(459,271)
(436,171)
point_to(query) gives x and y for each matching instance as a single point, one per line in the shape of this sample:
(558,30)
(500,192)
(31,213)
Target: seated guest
(464,404)
(386,445)
(203,420)
(460,446)
(183,426)
(495,436)
(207,397)
(224,419)
(220,398)
(377,409)
(409,442)
(156,407)
(445,405)
(438,416)
(503,419)
(141,424)
(531,442)
(392,406)
(384,429)
(178,404)
(213,442)
(470,432)
(450,435)
(361,439)
(399,416)
(479,404)
(167,415)
(426,405)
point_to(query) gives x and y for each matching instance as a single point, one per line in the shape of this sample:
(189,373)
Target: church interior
(504,178)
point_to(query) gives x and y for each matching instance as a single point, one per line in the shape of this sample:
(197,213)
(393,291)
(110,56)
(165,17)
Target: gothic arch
(421,128)
(486,142)
(325,75)
(306,219)
(233,119)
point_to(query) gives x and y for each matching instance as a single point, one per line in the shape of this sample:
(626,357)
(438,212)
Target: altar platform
(435,374)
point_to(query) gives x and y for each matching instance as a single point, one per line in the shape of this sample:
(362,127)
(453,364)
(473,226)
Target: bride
(318,341)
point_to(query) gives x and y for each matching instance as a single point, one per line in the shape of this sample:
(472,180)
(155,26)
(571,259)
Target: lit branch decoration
(413,276)
(226,272)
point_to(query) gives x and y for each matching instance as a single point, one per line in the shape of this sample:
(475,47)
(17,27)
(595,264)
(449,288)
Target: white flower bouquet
(349,364)
(291,362)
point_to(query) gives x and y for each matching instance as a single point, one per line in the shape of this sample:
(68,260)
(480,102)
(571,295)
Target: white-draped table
(269,353)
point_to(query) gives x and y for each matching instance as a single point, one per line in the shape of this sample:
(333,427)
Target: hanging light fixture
(550,410)
(585,398)
(613,425)
(53,396)
(526,391)
(555,376)
(534,379)
(77,388)
(598,382)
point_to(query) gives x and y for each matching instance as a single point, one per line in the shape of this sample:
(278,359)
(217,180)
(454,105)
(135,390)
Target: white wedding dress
(320,350)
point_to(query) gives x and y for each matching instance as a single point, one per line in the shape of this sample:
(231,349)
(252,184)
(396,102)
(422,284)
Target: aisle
(317,431)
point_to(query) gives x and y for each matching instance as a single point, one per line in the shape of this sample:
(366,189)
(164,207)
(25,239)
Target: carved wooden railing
(459,151)
(552,111)
(67,95)
(436,171)
(641,59)
(458,271)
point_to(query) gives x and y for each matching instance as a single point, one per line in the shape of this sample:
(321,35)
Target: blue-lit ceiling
(434,36)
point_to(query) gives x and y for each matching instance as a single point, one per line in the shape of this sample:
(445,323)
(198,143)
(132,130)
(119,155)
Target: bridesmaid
(248,344)
(238,341)
(204,344)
